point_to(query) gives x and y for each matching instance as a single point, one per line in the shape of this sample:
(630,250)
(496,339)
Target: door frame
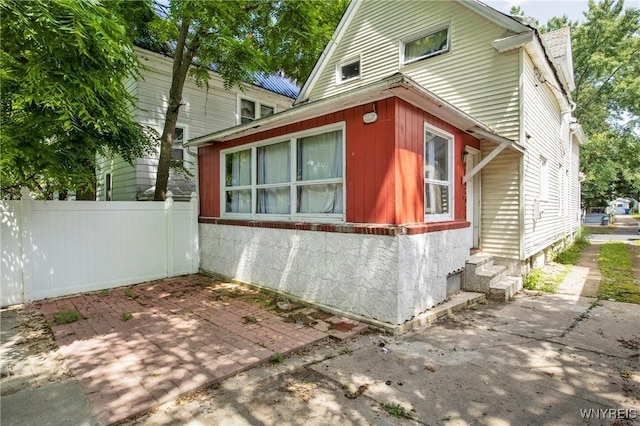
(473,194)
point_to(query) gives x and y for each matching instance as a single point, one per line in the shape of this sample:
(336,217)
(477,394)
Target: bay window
(293,177)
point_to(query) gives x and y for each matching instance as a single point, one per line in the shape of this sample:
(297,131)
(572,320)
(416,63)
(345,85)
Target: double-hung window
(438,175)
(177,150)
(430,43)
(297,177)
(251,110)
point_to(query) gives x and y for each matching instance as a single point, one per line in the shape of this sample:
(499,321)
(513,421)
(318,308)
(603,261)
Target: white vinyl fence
(57,248)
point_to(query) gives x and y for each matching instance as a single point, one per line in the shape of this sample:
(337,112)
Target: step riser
(482,275)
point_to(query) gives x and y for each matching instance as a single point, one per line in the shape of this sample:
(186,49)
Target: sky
(542,10)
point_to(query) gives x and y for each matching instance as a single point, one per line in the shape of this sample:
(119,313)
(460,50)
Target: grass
(545,280)
(128,292)
(635,216)
(66,317)
(571,255)
(618,282)
(103,293)
(126,316)
(609,229)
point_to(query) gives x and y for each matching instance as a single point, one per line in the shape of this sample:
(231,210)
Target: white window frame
(544,179)
(350,61)
(293,183)
(186,158)
(423,34)
(450,171)
(258,104)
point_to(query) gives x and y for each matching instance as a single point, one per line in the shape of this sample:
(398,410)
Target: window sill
(345,228)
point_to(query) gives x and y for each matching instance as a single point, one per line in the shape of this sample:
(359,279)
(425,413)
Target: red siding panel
(384,180)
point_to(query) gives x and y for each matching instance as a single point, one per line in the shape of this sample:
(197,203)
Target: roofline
(166,56)
(396,85)
(319,66)
(497,17)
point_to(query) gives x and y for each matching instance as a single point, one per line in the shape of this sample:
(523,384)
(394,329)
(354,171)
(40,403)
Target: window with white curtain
(438,174)
(294,177)
(238,182)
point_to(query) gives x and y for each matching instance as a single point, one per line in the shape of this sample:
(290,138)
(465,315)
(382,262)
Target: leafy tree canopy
(606,55)
(241,39)
(63,65)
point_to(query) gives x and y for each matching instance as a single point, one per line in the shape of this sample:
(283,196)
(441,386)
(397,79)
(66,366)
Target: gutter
(398,85)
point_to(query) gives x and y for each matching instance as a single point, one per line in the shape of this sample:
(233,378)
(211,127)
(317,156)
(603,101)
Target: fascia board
(495,16)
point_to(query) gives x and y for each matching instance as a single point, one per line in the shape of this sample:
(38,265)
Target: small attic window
(431,43)
(348,70)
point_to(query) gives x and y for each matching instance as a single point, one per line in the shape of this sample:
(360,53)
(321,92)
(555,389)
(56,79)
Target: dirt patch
(30,354)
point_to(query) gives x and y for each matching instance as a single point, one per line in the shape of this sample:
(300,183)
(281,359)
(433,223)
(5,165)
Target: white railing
(57,248)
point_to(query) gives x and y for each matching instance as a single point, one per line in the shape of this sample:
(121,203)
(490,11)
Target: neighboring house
(623,205)
(204,110)
(427,131)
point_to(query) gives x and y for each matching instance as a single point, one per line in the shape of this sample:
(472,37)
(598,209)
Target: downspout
(522,171)
(197,175)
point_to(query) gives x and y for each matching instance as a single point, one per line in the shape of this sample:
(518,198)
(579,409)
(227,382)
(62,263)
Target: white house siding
(204,110)
(500,222)
(545,219)
(473,76)
(388,279)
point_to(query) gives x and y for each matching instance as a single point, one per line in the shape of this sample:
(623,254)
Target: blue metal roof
(278,84)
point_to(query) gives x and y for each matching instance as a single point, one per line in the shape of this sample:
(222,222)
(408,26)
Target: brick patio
(182,336)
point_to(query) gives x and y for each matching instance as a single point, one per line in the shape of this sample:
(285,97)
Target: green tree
(606,55)
(241,39)
(63,66)
(606,50)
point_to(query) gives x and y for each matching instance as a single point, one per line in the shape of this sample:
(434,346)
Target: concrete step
(477,262)
(481,279)
(505,289)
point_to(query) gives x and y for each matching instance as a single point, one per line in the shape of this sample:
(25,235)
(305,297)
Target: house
(204,110)
(623,205)
(432,149)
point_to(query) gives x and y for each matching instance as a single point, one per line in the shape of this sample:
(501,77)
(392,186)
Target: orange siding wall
(384,179)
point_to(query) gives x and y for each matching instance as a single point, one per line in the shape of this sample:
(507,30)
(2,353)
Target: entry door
(473,195)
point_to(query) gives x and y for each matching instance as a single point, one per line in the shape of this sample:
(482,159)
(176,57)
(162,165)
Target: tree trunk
(181,63)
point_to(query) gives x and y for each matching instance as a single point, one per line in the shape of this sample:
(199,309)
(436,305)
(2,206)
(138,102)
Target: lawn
(618,282)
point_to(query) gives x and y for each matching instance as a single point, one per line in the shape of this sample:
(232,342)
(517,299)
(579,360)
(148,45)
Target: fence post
(168,207)
(195,238)
(26,245)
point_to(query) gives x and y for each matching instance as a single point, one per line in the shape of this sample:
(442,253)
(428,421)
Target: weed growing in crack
(66,317)
(398,410)
(276,358)
(250,320)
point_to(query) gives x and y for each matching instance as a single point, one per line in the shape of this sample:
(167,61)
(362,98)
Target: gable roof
(558,44)
(506,21)
(398,85)
(554,55)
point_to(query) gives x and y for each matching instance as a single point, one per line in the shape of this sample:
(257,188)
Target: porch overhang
(397,85)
